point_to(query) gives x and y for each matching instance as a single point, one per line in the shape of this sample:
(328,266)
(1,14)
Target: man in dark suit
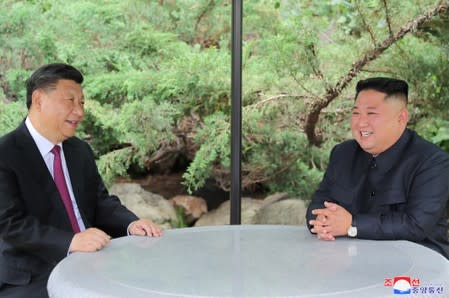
(52,198)
(388,183)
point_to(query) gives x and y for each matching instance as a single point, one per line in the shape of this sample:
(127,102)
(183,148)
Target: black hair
(48,75)
(389,86)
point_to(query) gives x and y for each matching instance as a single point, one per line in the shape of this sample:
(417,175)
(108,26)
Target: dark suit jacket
(35,231)
(403,197)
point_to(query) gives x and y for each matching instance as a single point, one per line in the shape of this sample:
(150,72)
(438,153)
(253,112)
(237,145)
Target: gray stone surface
(274,209)
(146,204)
(284,212)
(221,215)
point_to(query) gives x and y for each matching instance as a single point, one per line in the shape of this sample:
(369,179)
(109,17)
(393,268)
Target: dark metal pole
(236,112)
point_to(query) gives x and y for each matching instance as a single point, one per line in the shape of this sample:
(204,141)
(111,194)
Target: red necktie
(62,187)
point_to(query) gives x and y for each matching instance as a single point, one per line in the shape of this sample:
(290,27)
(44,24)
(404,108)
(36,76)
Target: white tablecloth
(247,261)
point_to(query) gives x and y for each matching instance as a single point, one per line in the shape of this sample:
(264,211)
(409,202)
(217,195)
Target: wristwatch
(352,231)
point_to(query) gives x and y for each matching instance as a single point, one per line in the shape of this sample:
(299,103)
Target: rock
(285,212)
(274,209)
(193,206)
(221,215)
(146,204)
(274,198)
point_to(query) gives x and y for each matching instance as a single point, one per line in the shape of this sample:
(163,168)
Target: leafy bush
(275,152)
(436,130)
(129,139)
(11,115)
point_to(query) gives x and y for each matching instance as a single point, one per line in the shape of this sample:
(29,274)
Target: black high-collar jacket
(400,195)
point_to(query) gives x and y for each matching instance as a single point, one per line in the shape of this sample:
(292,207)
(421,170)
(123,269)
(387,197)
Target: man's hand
(319,227)
(89,240)
(144,227)
(331,221)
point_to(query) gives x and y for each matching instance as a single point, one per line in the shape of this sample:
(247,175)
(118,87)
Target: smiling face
(56,111)
(377,122)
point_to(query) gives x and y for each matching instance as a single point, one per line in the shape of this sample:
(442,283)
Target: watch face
(352,231)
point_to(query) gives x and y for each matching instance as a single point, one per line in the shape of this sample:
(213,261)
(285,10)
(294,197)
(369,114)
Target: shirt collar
(42,143)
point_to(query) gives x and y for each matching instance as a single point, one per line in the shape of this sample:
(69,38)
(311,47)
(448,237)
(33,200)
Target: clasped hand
(94,239)
(331,221)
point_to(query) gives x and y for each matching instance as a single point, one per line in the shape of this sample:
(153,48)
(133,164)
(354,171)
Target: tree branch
(209,7)
(314,63)
(273,98)
(334,92)
(387,17)
(365,24)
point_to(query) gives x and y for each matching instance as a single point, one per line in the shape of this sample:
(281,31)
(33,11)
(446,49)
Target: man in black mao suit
(388,183)
(37,229)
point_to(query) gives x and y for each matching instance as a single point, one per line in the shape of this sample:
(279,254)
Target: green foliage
(275,152)
(428,75)
(435,130)
(144,124)
(115,164)
(117,88)
(304,183)
(97,128)
(203,22)
(215,139)
(10,115)
(145,42)
(129,139)
(180,218)
(441,137)
(15,79)
(197,80)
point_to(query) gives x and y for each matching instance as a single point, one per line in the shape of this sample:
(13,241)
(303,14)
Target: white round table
(246,261)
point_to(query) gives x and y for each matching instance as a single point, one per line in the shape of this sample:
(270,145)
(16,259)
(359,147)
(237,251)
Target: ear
(403,116)
(37,98)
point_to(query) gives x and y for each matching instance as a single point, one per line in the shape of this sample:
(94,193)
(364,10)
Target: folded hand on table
(331,221)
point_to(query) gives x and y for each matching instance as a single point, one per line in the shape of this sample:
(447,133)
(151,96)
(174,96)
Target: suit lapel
(32,160)
(32,157)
